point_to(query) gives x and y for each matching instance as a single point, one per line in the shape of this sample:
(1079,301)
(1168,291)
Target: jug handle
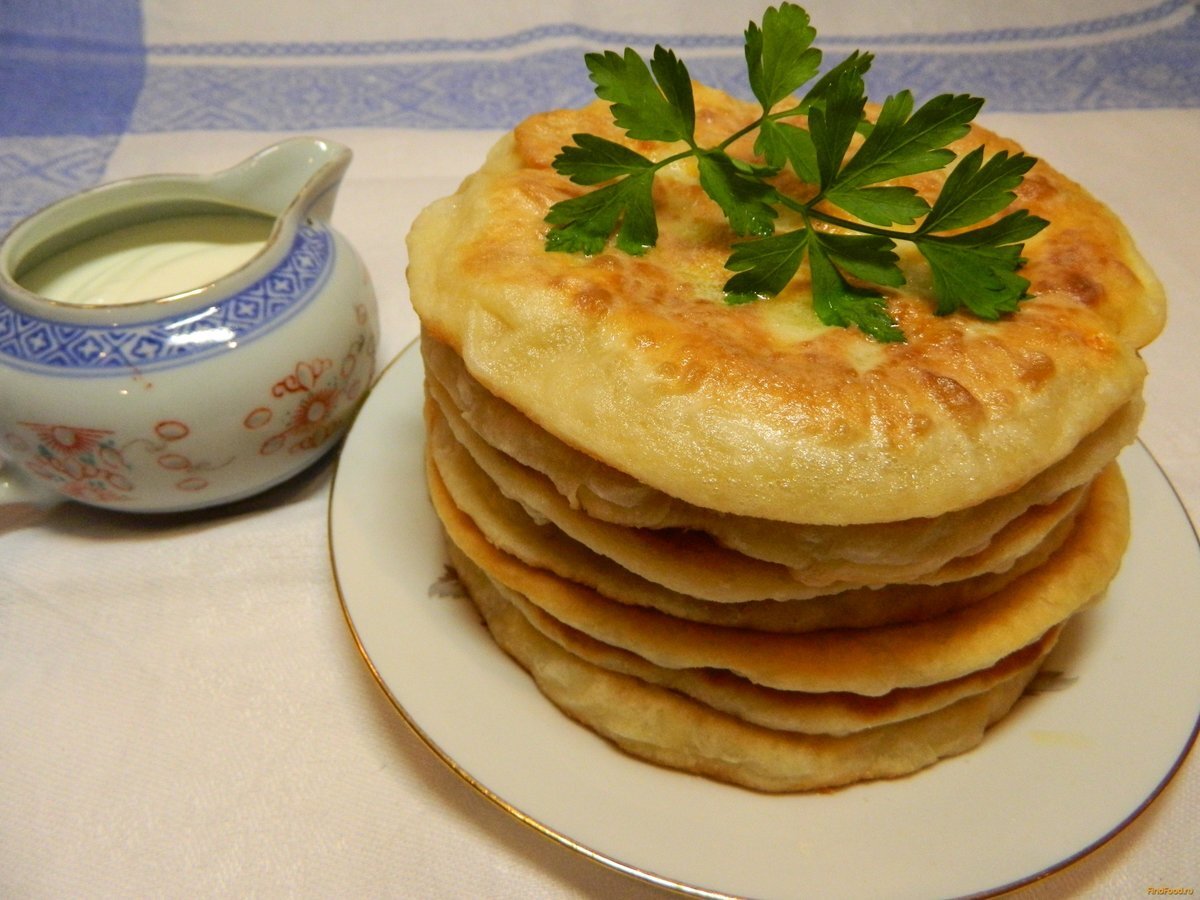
(293,179)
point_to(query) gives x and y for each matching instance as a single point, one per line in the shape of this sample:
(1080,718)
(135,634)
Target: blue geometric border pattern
(1155,69)
(593,36)
(1153,72)
(36,171)
(51,347)
(1113,25)
(485,93)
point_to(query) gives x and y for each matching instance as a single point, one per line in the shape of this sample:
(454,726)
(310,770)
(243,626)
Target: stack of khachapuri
(741,543)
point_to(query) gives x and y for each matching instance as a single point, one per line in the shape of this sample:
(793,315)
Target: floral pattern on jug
(166,449)
(82,463)
(90,464)
(319,398)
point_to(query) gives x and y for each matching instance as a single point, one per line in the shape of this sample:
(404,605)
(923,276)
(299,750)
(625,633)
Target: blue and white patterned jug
(176,342)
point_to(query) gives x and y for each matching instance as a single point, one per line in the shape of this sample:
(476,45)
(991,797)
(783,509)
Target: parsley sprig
(848,217)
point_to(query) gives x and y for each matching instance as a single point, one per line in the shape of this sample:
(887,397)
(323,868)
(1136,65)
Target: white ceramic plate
(1058,777)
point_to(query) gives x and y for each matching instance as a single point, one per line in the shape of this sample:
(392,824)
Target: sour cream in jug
(151,259)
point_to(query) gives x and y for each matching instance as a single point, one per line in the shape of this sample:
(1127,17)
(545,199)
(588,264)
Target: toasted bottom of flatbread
(662,726)
(830,712)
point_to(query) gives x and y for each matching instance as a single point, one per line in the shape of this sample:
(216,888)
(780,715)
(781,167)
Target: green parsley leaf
(834,123)
(780,57)
(978,268)
(904,143)
(972,267)
(744,198)
(595,160)
(869,257)
(981,278)
(900,143)
(676,85)
(837,302)
(781,144)
(585,223)
(1019,225)
(889,205)
(856,64)
(764,267)
(975,189)
(647,110)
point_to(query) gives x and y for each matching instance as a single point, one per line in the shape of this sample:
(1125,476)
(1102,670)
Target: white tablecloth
(183,712)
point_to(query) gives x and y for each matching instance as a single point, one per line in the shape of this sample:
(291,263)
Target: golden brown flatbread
(540,544)
(830,712)
(741,543)
(612,496)
(758,409)
(693,562)
(662,726)
(863,661)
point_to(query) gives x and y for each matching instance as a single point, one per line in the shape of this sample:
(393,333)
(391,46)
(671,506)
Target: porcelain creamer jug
(127,389)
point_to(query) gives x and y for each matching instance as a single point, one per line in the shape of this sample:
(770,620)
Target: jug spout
(294,179)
